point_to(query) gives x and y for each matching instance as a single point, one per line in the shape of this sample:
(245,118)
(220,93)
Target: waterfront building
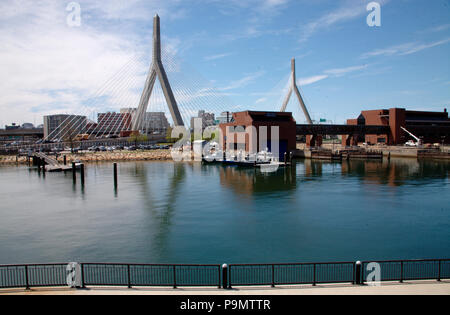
(430,127)
(64,127)
(233,139)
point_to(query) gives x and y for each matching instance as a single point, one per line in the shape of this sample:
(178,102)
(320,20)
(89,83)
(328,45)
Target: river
(165,212)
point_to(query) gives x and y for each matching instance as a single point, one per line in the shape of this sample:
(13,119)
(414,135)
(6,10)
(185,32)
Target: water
(165,212)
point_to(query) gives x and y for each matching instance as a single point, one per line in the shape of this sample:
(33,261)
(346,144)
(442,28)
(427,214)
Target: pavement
(386,288)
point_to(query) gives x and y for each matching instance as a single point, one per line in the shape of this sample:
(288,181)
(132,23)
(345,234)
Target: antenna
(156,70)
(293,88)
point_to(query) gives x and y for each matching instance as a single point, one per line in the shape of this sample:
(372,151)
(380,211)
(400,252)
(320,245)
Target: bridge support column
(314,140)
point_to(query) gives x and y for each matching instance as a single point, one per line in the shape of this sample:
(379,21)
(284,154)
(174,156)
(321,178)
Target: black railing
(402,270)
(37,275)
(151,275)
(286,274)
(160,275)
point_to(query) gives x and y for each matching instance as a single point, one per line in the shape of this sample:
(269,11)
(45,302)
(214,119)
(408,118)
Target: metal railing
(36,275)
(289,274)
(151,275)
(173,275)
(401,270)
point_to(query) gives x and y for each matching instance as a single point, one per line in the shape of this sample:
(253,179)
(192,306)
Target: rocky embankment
(154,155)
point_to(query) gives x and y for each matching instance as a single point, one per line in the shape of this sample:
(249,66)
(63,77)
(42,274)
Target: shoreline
(91,157)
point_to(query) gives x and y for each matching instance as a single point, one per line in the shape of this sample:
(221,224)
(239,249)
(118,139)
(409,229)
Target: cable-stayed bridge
(171,87)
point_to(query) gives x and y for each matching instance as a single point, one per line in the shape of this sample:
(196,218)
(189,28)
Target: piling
(74,174)
(82,174)
(115,175)
(65,160)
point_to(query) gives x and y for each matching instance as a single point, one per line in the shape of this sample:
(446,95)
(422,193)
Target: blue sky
(243,47)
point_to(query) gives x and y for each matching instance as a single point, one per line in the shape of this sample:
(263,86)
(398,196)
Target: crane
(419,142)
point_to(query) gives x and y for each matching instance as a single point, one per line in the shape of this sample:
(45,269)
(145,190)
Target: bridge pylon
(293,88)
(156,70)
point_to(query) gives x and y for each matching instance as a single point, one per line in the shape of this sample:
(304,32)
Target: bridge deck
(341,129)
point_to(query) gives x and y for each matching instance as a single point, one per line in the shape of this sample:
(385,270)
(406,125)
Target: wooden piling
(82,174)
(74,174)
(115,175)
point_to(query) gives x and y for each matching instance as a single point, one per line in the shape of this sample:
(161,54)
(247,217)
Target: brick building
(431,127)
(235,137)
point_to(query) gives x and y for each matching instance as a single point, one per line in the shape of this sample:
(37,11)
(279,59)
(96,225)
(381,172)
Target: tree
(137,137)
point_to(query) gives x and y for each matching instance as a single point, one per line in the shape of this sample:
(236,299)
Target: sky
(241,47)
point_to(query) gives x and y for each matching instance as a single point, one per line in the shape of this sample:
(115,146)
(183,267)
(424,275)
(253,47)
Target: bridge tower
(293,88)
(156,70)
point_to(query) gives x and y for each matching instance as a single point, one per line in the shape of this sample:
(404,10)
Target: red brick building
(235,137)
(431,127)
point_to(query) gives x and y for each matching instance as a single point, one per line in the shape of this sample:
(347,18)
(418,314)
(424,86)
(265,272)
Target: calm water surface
(166,212)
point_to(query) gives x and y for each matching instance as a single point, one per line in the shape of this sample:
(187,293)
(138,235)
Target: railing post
(225,276)
(229,277)
(401,271)
(82,277)
(357,272)
(174,277)
(314,275)
(439,271)
(129,276)
(273,276)
(26,278)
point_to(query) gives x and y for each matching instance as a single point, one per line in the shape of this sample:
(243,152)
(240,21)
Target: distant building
(12,127)
(430,127)
(225,117)
(208,119)
(64,127)
(129,110)
(27,126)
(155,122)
(112,123)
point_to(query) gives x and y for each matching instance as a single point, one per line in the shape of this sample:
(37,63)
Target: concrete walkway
(392,288)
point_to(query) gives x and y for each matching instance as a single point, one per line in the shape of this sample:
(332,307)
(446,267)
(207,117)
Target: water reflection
(243,181)
(396,172)
(159,201)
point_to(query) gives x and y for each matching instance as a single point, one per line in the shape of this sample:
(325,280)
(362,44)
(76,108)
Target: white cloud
(336,72)
(48,66)
(311,80)
(261,100)
(219,56)
(404,49)
(347,11)
(343,71)
(242,82)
